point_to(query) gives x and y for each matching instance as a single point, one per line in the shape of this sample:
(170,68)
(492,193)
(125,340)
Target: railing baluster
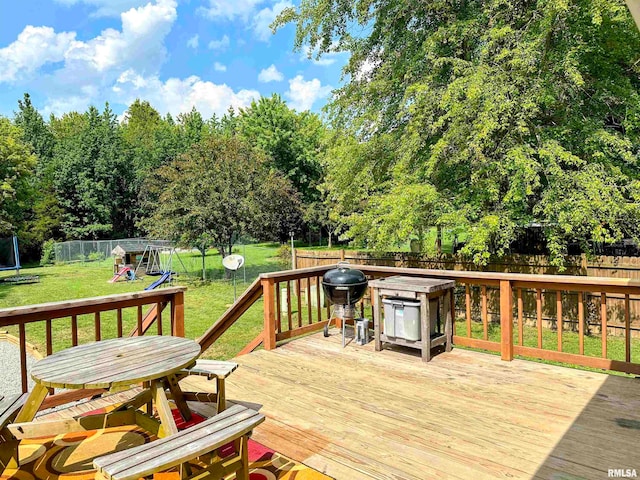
(309,309)
(485,317)
(581,323)
(278,309)
(172,322)
(119,322)
(23,357)
(139,320)
(74,330)
(269,330)
(96,321)
(467,300)
(627,328)
(159,317)
(539,315)
(559,318)
(520,324)
(49,337)
(289,322)
(603,324)
(177,314)
(318,306)
(299,295)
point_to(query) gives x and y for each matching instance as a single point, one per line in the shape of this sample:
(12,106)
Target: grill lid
(343,276)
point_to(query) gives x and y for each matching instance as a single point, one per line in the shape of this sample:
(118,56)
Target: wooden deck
(360,414)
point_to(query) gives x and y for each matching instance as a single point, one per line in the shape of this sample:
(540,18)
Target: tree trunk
(330,244)
(203,252)
(439,240)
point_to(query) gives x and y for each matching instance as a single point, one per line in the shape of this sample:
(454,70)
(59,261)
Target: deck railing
(548,317)
(107,313)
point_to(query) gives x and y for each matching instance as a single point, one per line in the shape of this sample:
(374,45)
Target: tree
(207,195)
(500,114)
(278,210)
(291,141)
(43,217)
(191,126)
(17,166)
(93,178)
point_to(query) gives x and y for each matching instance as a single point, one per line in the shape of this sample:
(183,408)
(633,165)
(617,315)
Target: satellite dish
(233,262)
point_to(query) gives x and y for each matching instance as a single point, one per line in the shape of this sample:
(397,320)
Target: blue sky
(211,54)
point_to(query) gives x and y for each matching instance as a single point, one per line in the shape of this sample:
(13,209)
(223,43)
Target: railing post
(269,341)
(177,314)
(506,320)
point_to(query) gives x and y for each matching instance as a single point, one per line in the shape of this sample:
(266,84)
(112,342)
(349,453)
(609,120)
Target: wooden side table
(424,290)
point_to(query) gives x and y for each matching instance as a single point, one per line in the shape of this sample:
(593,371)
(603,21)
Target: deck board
(360,414)
(356,413)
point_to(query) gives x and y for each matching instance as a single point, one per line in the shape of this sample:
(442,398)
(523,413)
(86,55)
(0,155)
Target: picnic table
(158,362)
(116,364)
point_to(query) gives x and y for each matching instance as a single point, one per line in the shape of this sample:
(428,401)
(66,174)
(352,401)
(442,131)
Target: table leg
(164,410)
(32,404)
(221,397)
(448,319)
(178,398)
(425,325)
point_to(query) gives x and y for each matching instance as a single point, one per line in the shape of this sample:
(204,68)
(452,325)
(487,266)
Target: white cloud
(327,58)
(265,17)
(34,48)
(229,9)
(270,74)
(107,8)
(303,94)
(61,105)
(88,69)
(221,44)
(219,67)
(194,41)
(180,95)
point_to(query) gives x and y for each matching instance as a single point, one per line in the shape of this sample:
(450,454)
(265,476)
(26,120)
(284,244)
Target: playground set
(154,260)
(10,260)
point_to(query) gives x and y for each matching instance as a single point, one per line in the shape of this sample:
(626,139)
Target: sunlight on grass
(204,302)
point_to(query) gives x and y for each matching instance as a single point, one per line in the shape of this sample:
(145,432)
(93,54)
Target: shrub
(48,252)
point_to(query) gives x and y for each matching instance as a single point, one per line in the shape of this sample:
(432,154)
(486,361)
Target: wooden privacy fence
(509,332)
(110,308)
(600,266)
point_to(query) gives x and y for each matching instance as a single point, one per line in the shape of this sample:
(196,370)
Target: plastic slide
(121,273)
(166,276)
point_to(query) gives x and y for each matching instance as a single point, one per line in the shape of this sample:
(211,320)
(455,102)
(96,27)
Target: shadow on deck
(356,413)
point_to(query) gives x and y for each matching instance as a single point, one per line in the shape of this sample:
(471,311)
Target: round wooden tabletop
(116,362)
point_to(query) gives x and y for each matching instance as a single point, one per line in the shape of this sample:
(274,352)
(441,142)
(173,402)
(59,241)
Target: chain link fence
(98,250)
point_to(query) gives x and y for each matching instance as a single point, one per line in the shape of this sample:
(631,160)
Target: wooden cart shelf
(424,290)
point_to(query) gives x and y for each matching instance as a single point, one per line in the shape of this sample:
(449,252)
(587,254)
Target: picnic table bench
(233,425)
(212,369)
(9,408)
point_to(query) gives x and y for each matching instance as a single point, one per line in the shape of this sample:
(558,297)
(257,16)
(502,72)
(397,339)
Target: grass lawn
(204,302)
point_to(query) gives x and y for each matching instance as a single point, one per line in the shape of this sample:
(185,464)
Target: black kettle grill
(344,287)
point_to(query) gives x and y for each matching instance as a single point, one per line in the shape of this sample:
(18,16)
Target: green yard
(204,302)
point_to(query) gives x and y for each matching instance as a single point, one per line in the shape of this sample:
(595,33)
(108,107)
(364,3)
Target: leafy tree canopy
(207,195)
(291,140)
(17,165)
(498,114)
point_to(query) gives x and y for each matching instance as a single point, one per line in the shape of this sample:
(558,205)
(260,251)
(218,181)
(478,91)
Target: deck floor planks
(360,414)
(485,417)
